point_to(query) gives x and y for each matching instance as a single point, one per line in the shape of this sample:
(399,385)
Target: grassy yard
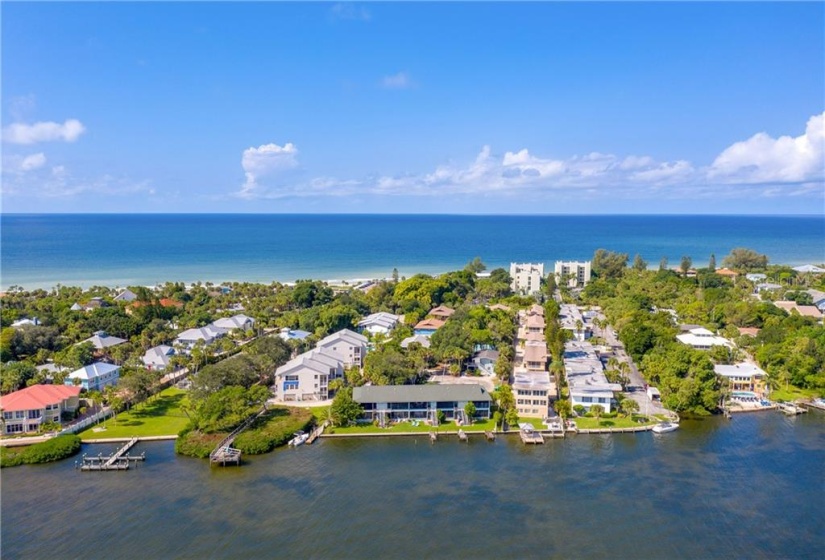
(161,416)
(407,427)
(618,422)
(792,393)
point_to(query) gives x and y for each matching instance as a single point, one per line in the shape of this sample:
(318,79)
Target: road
(636,388)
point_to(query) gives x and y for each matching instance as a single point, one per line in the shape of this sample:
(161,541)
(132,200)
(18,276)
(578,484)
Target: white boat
(299,439)
(665,427)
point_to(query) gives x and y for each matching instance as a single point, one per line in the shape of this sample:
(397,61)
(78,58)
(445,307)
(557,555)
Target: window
(14,428)
(34,414)
(8,415)
(587,399)
(19,414)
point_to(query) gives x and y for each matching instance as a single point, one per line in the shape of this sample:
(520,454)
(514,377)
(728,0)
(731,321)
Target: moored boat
(665,427)
(299,439)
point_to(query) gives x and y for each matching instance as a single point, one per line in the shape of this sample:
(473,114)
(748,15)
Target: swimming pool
(744,394)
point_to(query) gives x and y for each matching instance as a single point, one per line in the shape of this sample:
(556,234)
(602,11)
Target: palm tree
(629,406)
(597,410)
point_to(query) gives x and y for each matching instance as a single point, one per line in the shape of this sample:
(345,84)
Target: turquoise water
(144,249)
(751,487)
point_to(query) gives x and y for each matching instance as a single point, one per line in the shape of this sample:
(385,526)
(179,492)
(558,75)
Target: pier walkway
(118,461)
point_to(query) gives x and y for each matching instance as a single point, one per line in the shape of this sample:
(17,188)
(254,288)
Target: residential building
(94,377)
(126,295)
(533,392)
(350,347)
(236,322)
(427,327)
(26,323)
(208,334)
(157,358)
(804,310)
(766,287)
(293,334)
(577,273)
(526,277)
(756,277)
(586,380)
(379,323)
(441,312)
(535,356)
(423,402)
(421,339)
(743,376)
(809,269)
(572,319)
(727,273)
(818,299)
(307,377)
(484,361)
(702,339)
(102,341)
(25,410)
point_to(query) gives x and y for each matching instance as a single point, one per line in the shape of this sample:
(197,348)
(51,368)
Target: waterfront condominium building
(386,403)
(349,346)
(577,273)
(307,377)
(526,277)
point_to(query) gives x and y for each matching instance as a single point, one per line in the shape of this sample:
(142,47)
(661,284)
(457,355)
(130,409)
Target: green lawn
(407,427)
(618,422)
(792,393)
(161,416)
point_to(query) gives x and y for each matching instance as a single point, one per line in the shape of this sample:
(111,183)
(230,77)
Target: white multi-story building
(702,339)
(350,347)
(586,380)
(307,377)
(577,272)
(526,277)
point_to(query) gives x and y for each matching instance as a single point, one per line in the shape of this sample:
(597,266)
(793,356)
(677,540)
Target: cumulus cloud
(33,161)
(265,160)
(760,166)
(401,80)
(763,159)
(22,133)
(15,164)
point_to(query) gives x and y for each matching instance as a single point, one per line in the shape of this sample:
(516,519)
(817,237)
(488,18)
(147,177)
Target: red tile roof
(727,272)
(37,397)
(430,324)
(441,311)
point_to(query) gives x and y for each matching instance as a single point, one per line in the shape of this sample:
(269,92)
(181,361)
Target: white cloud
(265,160)
(349,11)
(760,166)
(33,161)
(21,106)
(58,182)
(401,80)
(21,133)
(15,164)
(763,159)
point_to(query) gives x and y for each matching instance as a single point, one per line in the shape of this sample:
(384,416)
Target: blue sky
(409,107)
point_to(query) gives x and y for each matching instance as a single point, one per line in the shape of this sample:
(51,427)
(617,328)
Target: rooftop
(37,397)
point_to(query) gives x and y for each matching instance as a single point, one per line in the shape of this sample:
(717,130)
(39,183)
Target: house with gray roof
(421,339)
(208,334)
(350,347)
(386,403)
(158,357)
(379,323)
(94,377)
(307,376)
(102,341)
(126,295)
(239,321)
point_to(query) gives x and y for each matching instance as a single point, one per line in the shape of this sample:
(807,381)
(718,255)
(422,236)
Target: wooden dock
(316,433)
(118,461)
(528,437)
(813,404)
(791,409)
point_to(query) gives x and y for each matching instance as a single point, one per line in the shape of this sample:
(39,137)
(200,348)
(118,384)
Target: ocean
(41,251)
(750,487)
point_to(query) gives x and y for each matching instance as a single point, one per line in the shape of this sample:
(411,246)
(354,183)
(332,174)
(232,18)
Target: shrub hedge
(48,451)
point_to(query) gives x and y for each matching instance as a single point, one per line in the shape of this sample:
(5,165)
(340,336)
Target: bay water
(750,487)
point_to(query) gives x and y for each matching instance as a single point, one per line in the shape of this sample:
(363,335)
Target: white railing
(86,422)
